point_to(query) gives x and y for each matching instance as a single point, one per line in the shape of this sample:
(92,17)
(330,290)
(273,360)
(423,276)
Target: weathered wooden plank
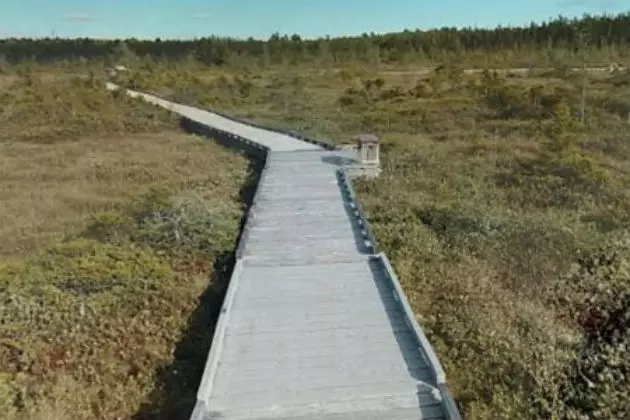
(314,327)
(315,318)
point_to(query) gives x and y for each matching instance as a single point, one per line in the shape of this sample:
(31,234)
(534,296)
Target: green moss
(99,313)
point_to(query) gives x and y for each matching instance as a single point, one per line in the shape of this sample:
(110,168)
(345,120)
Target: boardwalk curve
(315,324)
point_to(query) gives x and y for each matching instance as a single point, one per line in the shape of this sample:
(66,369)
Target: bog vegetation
(503,205)
(113,224)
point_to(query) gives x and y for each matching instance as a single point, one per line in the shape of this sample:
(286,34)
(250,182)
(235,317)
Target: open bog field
(503,205)
(113,224)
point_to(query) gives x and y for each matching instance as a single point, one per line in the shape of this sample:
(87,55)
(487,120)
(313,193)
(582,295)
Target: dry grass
(50,190)
(112,225)
(69,149)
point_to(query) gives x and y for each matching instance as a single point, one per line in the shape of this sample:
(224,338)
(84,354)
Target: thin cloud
(586,3)
(4,34)
(79,17)
(201,16)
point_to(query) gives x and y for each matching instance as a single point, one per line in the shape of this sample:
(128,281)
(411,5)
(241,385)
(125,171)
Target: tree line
(592,32)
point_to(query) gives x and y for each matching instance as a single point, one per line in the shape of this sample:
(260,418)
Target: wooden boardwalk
(314,325)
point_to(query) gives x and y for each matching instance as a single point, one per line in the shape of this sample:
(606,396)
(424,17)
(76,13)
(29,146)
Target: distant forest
(604,33)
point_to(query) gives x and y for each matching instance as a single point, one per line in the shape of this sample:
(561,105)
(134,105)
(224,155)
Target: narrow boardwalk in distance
(314,325)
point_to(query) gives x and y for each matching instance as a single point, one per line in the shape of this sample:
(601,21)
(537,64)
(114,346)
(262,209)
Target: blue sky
(261,18)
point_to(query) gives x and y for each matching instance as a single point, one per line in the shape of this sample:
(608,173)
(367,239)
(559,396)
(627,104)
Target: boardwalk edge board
(242,243)
(425,346)
(367,231)
(326,145)
(201,410)
(212,361)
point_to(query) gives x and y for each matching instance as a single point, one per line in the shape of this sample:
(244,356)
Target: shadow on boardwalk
(223,138)
(175,389)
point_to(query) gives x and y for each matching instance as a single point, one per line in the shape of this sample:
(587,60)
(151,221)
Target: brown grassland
(112,222)
(504,213)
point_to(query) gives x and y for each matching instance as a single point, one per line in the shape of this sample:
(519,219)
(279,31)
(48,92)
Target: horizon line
(4,38)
